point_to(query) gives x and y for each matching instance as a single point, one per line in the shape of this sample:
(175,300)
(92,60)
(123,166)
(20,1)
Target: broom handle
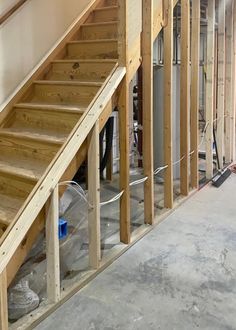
(217,155)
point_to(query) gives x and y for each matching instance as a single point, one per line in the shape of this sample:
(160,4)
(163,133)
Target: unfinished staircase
(39,124)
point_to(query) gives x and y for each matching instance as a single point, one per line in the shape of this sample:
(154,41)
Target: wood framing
(184,97)
(94,198)
(124,162)
(52,248)
(3,301)
(221,82)
(168,85)
(229,82)
(194,109)
(234,86)
(147,106)
(53,123)
(210,87)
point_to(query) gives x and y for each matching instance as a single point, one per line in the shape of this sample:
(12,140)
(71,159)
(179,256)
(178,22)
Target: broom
(223,174)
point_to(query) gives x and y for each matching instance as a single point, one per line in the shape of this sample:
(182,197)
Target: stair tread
(30,134)
(106,8)
(90,41)
(9,206)
(68,83)
(99,23)
(53,107)
(96,60)
(24,169)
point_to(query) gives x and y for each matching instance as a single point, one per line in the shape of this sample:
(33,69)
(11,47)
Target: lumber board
(221,82)
(229,81)
(168,85)
(52,247)
(94,197)
(147,98)
(184,97)
(210,88)
(3,301)
(195,54)
(123,106)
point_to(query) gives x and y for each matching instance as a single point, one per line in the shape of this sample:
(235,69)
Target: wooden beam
(221,82)
(124,162)
(195,54)
(3,301)
(234,86)
(210,88)
(52,248)
(184,97)
(168,68)
(94,198)
(229,82)
(122,32)
(147,55)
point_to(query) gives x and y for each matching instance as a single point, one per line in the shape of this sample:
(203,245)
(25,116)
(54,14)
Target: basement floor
(182,275)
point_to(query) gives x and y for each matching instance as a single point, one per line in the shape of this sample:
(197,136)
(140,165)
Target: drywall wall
(29,34)
(6,4)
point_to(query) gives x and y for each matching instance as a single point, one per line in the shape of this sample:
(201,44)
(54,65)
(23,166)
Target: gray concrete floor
(180,276)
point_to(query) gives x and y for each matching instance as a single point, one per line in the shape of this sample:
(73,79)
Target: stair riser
(96,50)
(64,94)
(80,71)
(99,32)
(107,3)
(105,15)
(16,187)
(45,120)
(28,149)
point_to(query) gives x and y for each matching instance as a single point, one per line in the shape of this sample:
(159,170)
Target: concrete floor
(180,276)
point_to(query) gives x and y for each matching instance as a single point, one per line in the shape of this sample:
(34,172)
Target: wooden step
(93,49)
(81,70)
(108,3)
(32,136)
(105,14)
(27,170)
(14,186)
(51,107)
(102,30)
(9,206)
(23,149)
(64,92)
(43,121)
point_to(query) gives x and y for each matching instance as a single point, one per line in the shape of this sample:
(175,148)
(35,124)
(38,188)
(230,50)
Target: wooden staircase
(38,125)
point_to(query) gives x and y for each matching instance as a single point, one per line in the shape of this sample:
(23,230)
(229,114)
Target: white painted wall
(29,34)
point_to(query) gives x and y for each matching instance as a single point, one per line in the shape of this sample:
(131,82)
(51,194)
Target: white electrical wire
(80,192)
(112,200)
(139,181)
